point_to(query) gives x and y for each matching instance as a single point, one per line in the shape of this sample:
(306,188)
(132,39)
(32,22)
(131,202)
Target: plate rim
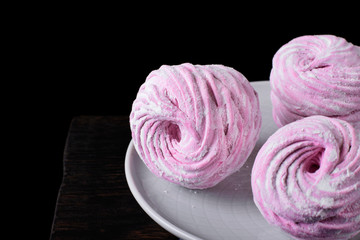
(163,222)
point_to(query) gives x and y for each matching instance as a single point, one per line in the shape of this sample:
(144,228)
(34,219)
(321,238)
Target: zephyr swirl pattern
(194,125)
(306,179)
(316,75)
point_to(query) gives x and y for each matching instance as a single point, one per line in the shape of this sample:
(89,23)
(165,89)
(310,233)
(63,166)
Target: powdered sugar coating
(316,75)
(194,125)
(306,179)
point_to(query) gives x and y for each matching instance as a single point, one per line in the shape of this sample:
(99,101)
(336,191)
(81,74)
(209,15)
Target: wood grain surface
(94,200)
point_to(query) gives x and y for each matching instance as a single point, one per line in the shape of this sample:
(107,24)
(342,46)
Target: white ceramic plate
(226,211)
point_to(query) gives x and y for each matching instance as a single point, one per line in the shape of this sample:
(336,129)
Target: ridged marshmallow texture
(306,179)
(316,75)
(194,125)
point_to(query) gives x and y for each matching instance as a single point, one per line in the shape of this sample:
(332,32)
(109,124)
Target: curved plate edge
(145,206)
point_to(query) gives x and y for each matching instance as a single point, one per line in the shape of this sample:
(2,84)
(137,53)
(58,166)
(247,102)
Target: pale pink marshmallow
(194,125)
(316,75)
(306,179)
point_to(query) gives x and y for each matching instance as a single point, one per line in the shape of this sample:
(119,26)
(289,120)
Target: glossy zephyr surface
(306,179)
(316,75)
(195,124)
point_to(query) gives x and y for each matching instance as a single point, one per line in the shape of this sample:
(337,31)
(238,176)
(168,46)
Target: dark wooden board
(94,200)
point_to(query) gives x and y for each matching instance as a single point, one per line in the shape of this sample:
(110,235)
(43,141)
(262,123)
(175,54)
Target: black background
(91,60)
